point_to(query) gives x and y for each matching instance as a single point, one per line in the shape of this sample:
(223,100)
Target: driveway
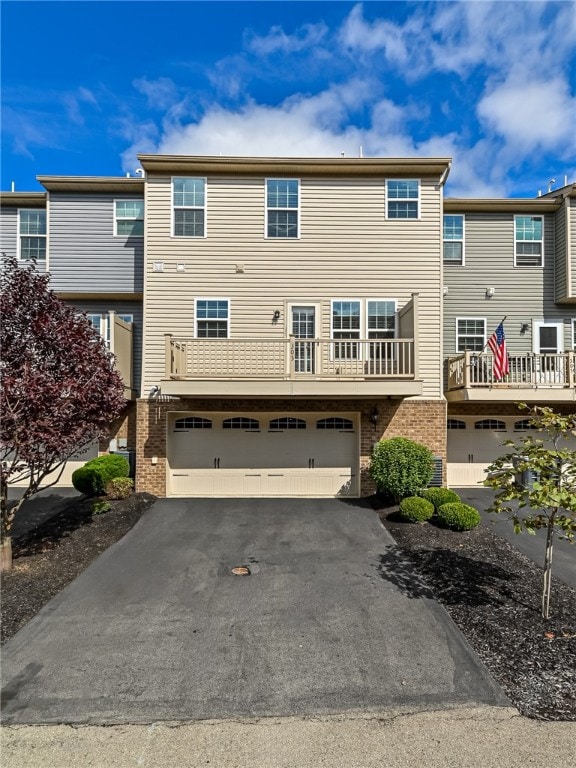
(564,563)
(159,629)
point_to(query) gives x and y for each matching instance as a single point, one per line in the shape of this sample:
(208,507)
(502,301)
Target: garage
(263,454)
(475,442)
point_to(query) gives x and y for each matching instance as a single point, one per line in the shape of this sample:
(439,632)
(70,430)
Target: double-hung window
(454,240)
(212,318)
(282,208)
(189,200)
(129,218)
(528,241)
(402,198)
(574,334)
(470,334)
(32,234)
(346,325)
(381,324)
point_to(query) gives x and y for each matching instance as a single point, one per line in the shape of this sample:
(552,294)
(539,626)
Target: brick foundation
(420,420)
(124,427)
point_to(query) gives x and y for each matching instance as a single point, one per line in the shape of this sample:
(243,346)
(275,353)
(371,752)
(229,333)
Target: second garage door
(263,454)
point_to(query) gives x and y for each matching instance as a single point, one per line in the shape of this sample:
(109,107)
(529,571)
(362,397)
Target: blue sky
(88,85)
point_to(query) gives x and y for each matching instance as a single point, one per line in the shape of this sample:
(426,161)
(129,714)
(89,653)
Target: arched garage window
(494,424)
(455,424)
(192,422)
(240,422)
(523,425)
(335,422)
(286,422)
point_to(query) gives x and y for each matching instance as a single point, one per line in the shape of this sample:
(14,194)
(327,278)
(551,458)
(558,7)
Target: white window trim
(211,298)
(360,330)
(188,207)
(537,324)
(449,263)
(127,200)
(19,236)
(403,200)
(458,319)
(267,207)
(573,324)
(365,313)
(542,241)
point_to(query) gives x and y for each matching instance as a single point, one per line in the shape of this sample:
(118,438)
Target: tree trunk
(547,579)
(6,554)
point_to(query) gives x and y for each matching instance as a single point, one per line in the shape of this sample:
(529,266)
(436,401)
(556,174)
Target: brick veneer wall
(484,410)
(123,427)
(421,420)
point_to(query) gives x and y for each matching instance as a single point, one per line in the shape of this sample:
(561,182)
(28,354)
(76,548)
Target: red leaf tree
(59,389)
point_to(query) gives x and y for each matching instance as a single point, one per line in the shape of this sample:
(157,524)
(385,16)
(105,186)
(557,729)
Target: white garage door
(473,444)
(262,454)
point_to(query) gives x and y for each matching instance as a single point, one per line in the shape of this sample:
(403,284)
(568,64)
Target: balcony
(120,344)
(291,367)
(533,378)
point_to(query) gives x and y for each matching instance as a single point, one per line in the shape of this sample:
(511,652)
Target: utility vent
(436,481)
(158,266)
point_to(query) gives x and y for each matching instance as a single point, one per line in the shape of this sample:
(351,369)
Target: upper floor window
(32,233)
(454,240)
(282,203)
(101,323)
(528,241)
(129,218)
(470,334)
(381,319)
(189,199)
(212,318)
(574,335)
(402,198)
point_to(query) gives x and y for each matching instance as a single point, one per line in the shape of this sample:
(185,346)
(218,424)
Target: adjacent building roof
(92,184)
(23,199)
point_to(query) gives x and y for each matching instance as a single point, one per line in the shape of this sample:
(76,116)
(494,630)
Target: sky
(86,86)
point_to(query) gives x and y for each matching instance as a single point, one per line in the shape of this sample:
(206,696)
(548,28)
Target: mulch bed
(493,593)
(51,556)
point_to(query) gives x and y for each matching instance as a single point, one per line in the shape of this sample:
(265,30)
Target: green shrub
(401,467)
(439,496)
(100,507)
(416,509)
(119,488)
(458,516)
(91,479)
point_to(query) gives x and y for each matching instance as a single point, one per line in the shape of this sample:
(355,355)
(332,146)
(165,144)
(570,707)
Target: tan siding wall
(522,294)
(347,249)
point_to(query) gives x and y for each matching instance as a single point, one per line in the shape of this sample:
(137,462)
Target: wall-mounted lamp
(276,316)
(490,292)
(524,328)
(154,390)
(374,415)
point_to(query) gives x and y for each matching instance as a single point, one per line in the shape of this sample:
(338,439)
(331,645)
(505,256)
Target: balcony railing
(527,371)
(289,359)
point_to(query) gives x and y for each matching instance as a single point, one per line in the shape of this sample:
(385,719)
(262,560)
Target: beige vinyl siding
(522,294)
(346,249)
(561,255)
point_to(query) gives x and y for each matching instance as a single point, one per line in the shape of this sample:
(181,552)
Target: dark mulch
(51,556)
(493,592)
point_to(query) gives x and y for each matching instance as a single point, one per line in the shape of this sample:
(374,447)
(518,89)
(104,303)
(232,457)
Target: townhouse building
(273,318)
(88,234)
(511,260)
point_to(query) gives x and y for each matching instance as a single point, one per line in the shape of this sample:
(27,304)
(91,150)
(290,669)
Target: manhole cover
(241,570)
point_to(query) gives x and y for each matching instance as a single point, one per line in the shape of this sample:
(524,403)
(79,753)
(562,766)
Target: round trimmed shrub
(416,509)
(119,488)
(458,516)
(401,467)
(439,496)
(91,479)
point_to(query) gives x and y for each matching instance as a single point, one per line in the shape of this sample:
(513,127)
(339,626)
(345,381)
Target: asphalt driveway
(159,629)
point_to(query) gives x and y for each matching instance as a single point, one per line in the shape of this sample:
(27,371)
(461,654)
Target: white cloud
(160,93)
(277,41)
(531,114)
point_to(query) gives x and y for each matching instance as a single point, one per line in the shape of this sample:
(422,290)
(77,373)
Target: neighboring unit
(513,259)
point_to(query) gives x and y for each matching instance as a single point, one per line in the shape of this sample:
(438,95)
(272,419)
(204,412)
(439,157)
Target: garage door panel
(265,462)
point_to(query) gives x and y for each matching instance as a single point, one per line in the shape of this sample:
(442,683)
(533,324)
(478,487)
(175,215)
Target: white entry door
(303,329)
(549,345)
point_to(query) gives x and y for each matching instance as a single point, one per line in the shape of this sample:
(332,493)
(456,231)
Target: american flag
(497,343)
